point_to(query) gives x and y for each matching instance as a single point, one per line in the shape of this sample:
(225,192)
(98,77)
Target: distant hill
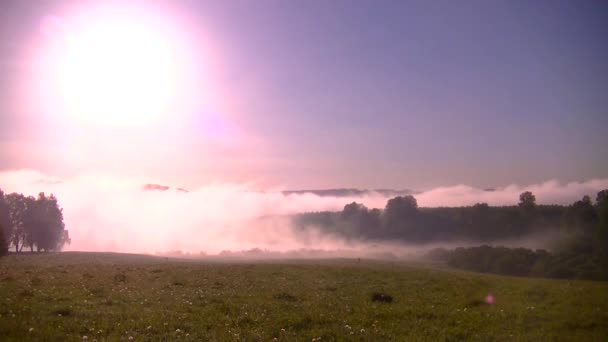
(158,187)
(338,192)
(350,192)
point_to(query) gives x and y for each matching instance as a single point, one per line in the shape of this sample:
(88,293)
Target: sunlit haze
(303,170)
(237,102)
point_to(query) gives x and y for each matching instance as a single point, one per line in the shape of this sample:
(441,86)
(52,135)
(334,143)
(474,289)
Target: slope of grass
(68,296)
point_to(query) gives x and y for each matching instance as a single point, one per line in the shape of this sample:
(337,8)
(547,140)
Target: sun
(114,66)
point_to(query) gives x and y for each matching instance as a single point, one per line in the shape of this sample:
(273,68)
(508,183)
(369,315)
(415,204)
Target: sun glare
(114,67)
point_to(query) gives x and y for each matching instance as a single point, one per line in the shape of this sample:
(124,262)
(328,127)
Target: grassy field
(113,297)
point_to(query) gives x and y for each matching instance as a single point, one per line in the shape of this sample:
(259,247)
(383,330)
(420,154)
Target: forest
(576,234)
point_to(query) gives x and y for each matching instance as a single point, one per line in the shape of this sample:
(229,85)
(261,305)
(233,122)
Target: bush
(526,262)
(381,297)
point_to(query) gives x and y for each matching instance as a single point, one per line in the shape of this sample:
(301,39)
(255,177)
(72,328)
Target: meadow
(114,297)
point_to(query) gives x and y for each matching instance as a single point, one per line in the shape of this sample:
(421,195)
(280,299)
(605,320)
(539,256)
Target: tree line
(34,223)
(579,252)
(569,261)
(402,220)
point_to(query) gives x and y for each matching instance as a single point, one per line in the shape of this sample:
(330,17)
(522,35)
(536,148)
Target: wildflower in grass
(31,329)
(178,330)
(84,338)
(490,299)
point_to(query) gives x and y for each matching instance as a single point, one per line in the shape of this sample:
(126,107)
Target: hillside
(68,296)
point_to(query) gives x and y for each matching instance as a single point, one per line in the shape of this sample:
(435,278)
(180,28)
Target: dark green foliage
(35,223)
(3,243)
(602,218)
(581,253)
(5,221)
(527,200)
(526,262)
(500,260)
(402,220)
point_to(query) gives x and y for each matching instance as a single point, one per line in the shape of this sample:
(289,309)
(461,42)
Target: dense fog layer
(109,213)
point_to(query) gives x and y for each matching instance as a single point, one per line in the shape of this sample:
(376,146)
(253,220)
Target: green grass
(111,297)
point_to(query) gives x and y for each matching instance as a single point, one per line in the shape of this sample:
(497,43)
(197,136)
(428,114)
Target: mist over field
(107,213)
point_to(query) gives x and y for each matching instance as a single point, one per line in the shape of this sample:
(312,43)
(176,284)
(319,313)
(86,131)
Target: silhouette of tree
(602,218)
(4,217)
(53,234)
(3,242)
(602,197)
(527,200)
(36,223)
(401,206)
(580,217)
(352,210)
(399,214)
(17,204)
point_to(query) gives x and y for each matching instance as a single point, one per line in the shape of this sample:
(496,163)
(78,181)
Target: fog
(110,213)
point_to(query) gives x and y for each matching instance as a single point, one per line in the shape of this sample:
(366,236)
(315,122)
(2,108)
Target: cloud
(109,213)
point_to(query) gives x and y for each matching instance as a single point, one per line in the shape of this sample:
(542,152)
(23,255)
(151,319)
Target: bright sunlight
(114,66)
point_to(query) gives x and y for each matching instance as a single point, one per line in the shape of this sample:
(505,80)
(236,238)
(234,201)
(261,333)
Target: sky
(307,94)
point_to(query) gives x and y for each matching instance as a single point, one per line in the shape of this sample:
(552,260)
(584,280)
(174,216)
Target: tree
(479,225)
(401,206)
(35,223)
(31,222)
(5,221)
(527,200)
(398,214)
(3,242)
(352,210)
(580,217)
(17,204)
(602,217)
(44,224)
(55,236)
(602,197)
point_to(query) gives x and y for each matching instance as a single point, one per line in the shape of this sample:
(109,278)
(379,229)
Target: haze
(237,101)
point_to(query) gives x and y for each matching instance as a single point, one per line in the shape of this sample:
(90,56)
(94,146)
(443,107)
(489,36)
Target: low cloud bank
(106,213)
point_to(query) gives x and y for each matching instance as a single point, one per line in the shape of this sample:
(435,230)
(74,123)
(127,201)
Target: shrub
(381,297)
